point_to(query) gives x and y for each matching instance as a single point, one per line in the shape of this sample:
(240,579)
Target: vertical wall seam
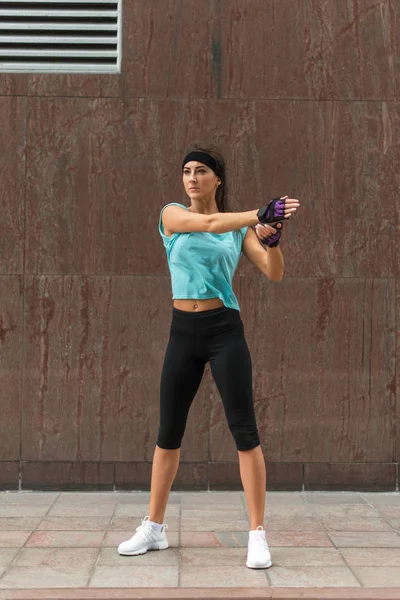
(21,388)
(397,432)
(217,51)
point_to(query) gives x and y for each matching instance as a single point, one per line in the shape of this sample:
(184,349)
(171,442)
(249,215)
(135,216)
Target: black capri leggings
(216,336)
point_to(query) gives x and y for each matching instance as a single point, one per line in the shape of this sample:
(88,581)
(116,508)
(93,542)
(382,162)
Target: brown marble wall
(304,98)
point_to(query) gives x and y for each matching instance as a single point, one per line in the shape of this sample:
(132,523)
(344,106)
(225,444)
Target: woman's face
(199,180)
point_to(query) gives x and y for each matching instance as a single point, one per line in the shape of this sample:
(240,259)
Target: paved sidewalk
(342,543)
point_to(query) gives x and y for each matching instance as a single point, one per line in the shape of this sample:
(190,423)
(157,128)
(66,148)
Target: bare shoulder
(168,209)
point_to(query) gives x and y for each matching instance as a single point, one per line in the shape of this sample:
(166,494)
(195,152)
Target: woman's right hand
(266,232)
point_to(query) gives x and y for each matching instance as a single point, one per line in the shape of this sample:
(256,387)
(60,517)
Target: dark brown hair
(221,193)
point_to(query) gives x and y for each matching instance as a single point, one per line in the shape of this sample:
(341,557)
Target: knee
(169,438)
(246,438)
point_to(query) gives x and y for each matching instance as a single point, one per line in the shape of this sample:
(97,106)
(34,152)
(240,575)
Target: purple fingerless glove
(273,211)
(273,240)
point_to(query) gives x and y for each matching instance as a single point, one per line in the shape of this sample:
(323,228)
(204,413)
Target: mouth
(192,189)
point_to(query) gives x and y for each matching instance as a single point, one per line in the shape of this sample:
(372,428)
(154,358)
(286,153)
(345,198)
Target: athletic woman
(204,243)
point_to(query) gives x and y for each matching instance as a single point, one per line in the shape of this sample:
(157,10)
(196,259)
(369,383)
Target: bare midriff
(198,305)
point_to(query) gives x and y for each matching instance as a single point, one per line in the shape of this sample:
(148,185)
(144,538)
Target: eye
(201,171)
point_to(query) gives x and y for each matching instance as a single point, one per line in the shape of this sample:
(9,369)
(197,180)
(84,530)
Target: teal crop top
(202,264)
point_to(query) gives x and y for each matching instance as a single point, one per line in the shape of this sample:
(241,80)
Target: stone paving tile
(280,523)
(141,510)
(241,537)
(213,499)
(7,555)
(144,498)
(371,557)
(79,498)
(73,524)
(134,577)
(65,539)
(391,512)
(213,557)
(354,524)
(232,539)
(123,523)
(344,511)
(29,498)
(298,538)
(219,512)
(8,594)
(137,497)
(357,539)
(284,499)
(65,560)
(236,576)
(213,524)
(395,524)
(278,510)
(320,576)
(175,497)
(13,539)
(382,499)
(306,557)
(332,498)
(31,577)
(134,496)
(292,498)
(82,510)
(23,510)
(18,523)
(378,576)
(199,539)
(109,557)
(112,539)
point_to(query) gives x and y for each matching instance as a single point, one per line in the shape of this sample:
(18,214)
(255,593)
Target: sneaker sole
(155,546)
(269,564)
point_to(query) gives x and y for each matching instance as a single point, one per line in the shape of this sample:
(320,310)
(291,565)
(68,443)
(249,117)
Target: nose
(192,177)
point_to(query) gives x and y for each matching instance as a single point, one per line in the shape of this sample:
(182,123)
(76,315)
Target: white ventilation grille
(60,36)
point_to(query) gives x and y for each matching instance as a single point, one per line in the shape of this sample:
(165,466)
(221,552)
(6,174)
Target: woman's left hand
(265,231)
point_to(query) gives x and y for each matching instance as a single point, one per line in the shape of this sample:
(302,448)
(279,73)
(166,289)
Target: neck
(205,206)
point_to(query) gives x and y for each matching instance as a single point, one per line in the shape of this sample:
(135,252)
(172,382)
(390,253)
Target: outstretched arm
(177,219)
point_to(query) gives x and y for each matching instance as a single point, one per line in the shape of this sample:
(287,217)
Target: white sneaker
(258,555)
(145,539)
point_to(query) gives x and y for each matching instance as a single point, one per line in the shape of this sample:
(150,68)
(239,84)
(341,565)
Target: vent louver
(60,36)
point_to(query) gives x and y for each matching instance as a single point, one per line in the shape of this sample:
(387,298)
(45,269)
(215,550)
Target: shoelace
(146,529)
(260,539)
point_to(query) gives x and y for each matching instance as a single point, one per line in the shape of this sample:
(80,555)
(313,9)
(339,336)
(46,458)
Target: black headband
(204,158)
